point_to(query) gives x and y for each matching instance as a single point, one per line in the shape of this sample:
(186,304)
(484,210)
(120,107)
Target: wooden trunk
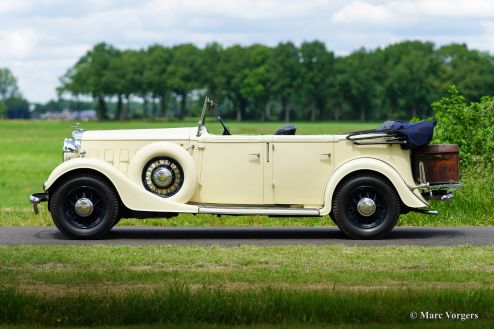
(441,163)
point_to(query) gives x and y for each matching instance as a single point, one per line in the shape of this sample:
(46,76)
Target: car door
(231,170)
(300,166)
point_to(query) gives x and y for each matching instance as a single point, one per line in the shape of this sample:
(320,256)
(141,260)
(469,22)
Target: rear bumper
(36,198)
(442,192)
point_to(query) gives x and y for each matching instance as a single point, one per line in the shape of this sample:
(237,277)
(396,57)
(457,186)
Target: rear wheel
(84,207)
(366,207)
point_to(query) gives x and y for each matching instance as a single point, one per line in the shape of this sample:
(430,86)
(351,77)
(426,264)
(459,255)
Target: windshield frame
(202,120)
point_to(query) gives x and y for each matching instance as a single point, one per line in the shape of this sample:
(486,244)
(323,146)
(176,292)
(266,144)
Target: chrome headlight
(72,146)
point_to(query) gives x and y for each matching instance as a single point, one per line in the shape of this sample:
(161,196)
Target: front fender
(133,196)
(370,164)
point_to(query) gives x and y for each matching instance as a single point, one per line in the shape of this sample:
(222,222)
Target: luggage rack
(390,137)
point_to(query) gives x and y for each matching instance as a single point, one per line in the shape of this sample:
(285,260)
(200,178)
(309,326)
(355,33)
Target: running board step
(259,211)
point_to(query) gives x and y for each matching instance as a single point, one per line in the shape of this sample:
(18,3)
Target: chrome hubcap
(84,207)
(366,207)
(162,177)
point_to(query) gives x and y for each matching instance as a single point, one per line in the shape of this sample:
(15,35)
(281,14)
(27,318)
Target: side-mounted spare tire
(165,169)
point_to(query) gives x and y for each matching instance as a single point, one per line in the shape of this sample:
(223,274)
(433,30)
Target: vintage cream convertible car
(363,180)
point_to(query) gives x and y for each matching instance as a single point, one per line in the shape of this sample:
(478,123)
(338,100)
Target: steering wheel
(226,131)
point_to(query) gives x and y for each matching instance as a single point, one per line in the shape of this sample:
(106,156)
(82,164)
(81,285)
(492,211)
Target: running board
(259,211)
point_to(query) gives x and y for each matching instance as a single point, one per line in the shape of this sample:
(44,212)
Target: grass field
(31,149)
(216,287)
(412,325)
(241,285)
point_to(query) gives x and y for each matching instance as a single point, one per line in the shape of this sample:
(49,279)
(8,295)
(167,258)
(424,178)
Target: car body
(165,172)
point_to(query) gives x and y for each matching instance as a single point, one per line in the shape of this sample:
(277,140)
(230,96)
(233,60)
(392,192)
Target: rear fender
(380,167)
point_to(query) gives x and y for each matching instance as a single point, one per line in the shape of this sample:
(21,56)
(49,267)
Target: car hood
(138,134)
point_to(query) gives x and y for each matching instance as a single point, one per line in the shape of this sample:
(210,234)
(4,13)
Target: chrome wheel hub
(162,177)
(366,207)
(84,207)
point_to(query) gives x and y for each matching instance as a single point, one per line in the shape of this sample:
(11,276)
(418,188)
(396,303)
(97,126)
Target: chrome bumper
(443,192)
(36,199)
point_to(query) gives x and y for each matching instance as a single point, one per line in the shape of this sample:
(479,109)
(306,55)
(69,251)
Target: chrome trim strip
(427,186)
(259,211)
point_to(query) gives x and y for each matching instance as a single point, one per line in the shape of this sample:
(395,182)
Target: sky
(41,39)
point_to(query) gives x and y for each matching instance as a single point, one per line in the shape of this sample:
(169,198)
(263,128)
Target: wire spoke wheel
(163,176)
(84,207)
(366,206)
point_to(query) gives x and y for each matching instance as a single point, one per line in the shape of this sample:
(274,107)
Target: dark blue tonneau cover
(417,134)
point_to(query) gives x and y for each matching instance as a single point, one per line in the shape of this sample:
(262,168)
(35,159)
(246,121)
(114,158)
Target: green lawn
(242,285)
(411,325)
(216,287)
(31,149)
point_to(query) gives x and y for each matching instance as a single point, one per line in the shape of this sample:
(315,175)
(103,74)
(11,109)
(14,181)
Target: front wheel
(84,207)
(366,207)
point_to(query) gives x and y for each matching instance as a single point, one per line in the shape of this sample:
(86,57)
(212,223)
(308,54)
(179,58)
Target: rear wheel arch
(364,172)
(403,207)
(365,205)
(377,167)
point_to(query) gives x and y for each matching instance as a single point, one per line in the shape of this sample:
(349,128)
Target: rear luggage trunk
(441,164)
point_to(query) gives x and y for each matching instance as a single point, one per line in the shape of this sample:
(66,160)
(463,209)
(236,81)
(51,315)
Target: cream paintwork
(153,150)
(133,195)
(240,173)
(242,182)
(300,167)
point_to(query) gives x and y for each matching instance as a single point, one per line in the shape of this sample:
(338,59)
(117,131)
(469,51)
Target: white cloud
(457,8)
(41,39)
(19,43)
(358,11)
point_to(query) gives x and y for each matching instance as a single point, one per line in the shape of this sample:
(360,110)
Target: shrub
(470,125)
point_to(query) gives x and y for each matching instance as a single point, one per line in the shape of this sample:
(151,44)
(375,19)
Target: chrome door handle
(258,155)
(327,154)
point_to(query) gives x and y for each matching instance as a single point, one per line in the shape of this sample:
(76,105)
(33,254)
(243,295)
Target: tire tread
(108,188)
(338,219)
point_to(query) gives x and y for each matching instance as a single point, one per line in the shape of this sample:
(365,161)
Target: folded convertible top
(413,135)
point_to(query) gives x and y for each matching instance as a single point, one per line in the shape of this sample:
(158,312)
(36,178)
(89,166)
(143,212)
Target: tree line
(258,82)
(11,99)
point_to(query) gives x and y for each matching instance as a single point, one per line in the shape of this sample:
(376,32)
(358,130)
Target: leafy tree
(395,82)
(233,69)
(116,78)
(284,69)
(317,76)
(470,125)
(8,89)
(214,80)
(8,85)
(472,71)
(186,73)
(156,78)
(88,76)
(356,83)
(256,82)
(411,72)
(3,110)
(17,107)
